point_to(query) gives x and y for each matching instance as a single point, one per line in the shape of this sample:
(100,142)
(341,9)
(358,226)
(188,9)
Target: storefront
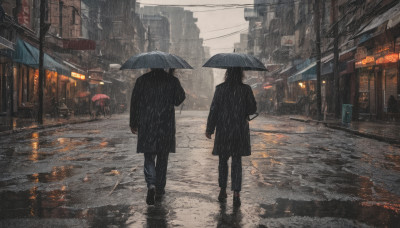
(26,80)
(378,75)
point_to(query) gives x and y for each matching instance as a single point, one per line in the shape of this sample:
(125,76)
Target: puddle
(374,214)
(57,174)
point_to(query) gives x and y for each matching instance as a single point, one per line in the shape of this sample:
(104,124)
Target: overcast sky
(214,23)
(229,20)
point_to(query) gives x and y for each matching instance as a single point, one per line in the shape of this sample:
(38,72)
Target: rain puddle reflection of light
(61,140)
(389,206)
(14,123)
(33,203)
(275,139)
(35,147)
(370,213)
(56,174)
(103,144)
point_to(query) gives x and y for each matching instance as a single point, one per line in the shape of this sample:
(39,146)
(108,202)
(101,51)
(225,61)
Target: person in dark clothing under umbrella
(152,118)
(233,102)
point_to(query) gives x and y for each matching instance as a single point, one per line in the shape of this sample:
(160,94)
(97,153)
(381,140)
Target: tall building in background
(184,41)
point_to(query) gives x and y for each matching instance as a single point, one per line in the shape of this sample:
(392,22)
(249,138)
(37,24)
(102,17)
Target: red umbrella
(99,97)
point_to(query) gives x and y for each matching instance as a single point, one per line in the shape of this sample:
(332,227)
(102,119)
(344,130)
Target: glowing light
(78,76)
(101,83)
(35,147)
(390,58)
(323,82)
(302,85)
(381,60)
(368,59)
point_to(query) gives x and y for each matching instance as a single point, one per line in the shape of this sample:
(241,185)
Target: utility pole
(317,26)
(149,47)
(336,76)
(43,30)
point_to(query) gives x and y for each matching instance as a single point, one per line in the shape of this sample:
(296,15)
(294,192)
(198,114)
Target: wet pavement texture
(299,174)
(10,124)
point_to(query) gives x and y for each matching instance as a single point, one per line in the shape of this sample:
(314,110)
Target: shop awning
(29,55)
(391,17)
(74,68)
(308,73)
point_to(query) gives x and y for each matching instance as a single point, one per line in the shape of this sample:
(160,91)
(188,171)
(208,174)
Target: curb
(366,135)
(355,132)
(27,129)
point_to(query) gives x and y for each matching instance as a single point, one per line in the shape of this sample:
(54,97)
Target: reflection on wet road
(299,174)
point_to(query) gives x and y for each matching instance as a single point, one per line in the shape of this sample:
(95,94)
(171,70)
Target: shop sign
(383,50)
(366,62)
(361,53)
(288,41)
(78,76)
(389,58)
(24,15)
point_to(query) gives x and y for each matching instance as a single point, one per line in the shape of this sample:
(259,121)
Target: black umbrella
(155,59)
(227,60)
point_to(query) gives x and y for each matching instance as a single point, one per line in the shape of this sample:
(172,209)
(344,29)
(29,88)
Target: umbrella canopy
(227,60)
(155,59)
(99,97)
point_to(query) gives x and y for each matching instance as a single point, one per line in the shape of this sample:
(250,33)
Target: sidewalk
(379,130)
(15,124)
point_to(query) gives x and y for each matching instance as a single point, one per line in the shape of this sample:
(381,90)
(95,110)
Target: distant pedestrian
(233,102)
(152,118)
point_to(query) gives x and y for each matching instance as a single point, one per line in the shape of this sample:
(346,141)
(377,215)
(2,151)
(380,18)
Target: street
(299,174)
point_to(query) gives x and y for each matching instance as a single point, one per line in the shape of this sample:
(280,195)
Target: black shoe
(150,196)
(236,199)
(222,195)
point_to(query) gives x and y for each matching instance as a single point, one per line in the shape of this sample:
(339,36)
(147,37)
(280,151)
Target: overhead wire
(226,35)
(220,5)
(221,29)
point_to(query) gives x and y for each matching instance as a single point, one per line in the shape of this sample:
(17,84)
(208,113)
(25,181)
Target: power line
(203,11)
(220,5)
(236,26)
(226,35)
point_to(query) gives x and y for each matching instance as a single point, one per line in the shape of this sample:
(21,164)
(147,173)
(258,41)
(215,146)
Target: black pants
(155,172)
(236,172)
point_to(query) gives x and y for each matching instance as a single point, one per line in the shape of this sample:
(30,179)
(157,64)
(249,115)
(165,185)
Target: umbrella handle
(252,118)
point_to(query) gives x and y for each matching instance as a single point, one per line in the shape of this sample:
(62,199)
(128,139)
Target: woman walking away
(233,102)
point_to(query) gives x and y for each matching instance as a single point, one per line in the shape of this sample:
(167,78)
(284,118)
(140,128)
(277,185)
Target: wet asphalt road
(299,174)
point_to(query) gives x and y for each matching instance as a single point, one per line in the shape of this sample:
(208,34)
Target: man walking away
(152,118)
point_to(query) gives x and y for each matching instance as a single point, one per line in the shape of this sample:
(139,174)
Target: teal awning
(29,55)
(308,73)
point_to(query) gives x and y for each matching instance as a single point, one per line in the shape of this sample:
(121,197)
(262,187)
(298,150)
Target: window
(73,16)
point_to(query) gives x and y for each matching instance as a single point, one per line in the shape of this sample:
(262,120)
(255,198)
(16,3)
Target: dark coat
(152,111)
(229,110)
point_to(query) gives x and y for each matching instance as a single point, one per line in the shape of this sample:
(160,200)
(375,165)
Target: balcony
(6,44)
(250,13)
